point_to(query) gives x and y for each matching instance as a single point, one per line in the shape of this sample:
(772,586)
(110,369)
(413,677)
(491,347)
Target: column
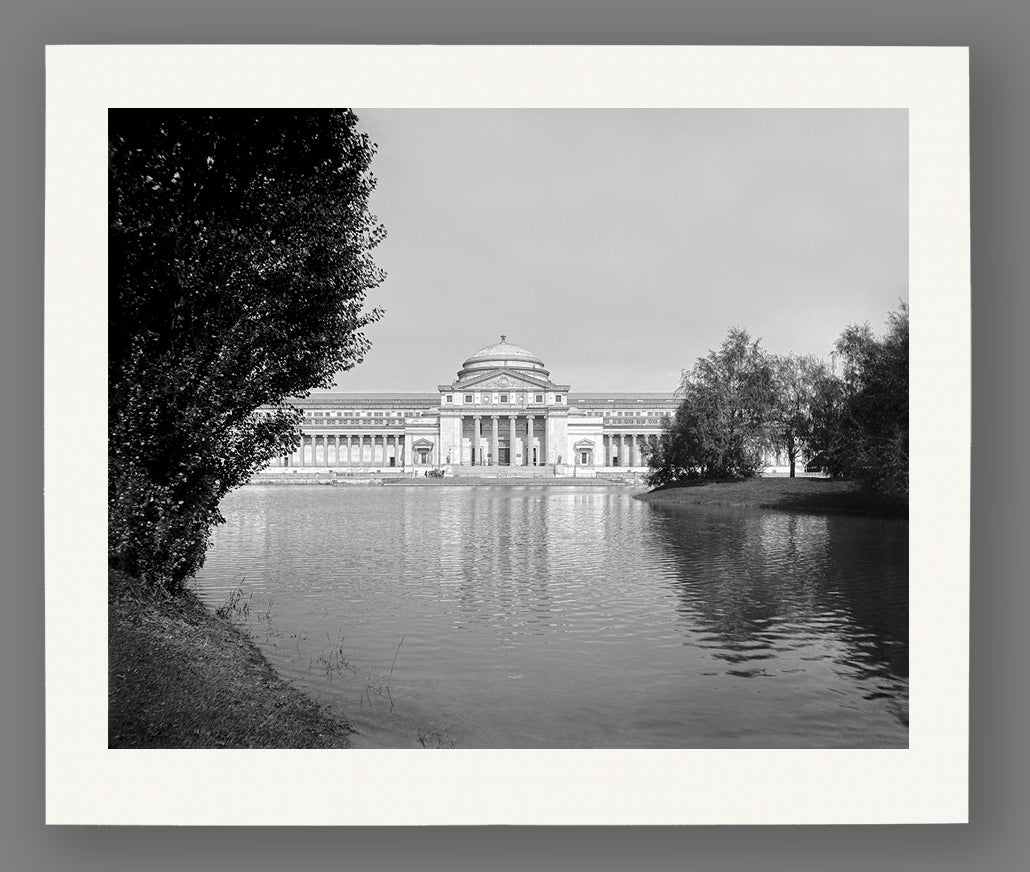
(300,451)
(528,450)
(477,439)
(511,440)
(631,456)
(461,440)
(542,456)
(493,440)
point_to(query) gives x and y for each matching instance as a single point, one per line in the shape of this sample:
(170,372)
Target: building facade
(503,413)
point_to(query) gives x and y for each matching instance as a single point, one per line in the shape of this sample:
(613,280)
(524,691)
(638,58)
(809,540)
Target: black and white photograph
(666,508)
(445,429)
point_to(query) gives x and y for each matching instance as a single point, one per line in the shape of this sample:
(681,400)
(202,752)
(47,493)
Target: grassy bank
(181,677)
(792,494)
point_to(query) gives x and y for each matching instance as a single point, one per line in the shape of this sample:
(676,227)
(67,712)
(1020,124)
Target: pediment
(422,443)
(503,380)
(584,445)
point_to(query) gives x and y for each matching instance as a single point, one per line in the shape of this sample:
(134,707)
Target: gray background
(995,30)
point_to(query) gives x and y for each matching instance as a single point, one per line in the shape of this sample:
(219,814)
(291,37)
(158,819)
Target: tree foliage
(739,401)
(239,259)
(719,430)
(867,425)
(791,427)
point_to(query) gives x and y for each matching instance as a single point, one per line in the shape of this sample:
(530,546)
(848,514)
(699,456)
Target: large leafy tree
(719,430)
(239,260)
(796,379)
(872,429)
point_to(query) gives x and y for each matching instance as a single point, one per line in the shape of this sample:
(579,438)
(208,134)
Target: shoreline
(809,495)
(181,676)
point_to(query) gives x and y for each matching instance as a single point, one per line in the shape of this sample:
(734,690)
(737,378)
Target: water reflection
(545,617)
(765,589)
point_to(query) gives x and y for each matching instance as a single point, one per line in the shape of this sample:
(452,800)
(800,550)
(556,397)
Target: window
(539,398)
(468,398)
(557,398)
(450,398)
(504,398)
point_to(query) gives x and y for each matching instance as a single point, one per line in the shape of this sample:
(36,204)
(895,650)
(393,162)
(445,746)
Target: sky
(621,245)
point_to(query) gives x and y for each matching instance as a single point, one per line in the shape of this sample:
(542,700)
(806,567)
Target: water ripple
(626,623)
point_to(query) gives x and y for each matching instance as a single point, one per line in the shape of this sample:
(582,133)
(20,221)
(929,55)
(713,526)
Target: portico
(502,407)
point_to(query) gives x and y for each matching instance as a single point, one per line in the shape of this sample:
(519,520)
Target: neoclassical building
(502,410)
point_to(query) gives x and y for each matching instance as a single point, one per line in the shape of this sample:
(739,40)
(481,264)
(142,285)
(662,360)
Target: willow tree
(720,429)
(791,422)
(239,261)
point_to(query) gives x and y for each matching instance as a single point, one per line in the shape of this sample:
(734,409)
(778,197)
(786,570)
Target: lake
(572,617)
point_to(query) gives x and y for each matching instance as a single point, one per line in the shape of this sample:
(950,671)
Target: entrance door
(504,456)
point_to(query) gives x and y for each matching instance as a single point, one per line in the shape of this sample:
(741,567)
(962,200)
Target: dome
(503,354)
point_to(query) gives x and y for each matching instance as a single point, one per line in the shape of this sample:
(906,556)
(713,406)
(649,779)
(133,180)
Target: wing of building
(502,410)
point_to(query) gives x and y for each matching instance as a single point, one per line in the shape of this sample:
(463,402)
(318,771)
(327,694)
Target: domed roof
(502,355)
(504,351)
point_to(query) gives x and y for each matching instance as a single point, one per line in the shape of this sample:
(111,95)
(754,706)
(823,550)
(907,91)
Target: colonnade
(523,426)
(630,449)
(338,449)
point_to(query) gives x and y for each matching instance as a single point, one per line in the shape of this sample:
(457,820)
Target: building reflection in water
(554,617)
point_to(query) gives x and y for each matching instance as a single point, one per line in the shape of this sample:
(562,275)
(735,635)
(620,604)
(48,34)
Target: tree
(719,429)
(791,424)
(239,259)
(872,445)
(826,439)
